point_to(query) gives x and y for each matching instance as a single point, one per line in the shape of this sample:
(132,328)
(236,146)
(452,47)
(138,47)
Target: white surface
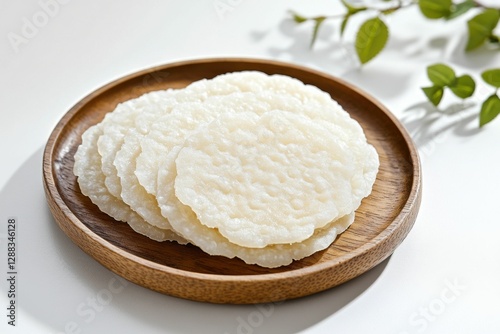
(442,279)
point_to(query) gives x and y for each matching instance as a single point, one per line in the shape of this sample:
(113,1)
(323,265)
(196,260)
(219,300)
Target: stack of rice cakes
(248,165)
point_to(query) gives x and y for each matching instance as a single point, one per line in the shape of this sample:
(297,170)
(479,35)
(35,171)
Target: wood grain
(382,222)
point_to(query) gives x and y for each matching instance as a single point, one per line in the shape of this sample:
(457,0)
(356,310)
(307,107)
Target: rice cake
(268,179)
(276,91)
(261,167)
(117,123)
(88,170)
(186,223)
(132,192)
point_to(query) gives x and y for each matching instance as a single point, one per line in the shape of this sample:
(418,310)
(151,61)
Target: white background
(444,278)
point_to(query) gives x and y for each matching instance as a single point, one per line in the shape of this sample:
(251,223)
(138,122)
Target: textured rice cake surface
(172,129)
(266,179)
(91,180)
(132,192)
(271,92)
(186,223)
(118,123)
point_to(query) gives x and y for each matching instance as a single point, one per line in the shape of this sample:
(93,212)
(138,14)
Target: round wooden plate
(382,221)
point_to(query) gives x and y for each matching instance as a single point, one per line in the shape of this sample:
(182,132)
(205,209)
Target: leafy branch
(373,34)
(443,76)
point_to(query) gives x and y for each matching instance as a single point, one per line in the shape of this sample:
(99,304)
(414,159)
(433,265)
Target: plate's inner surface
(390,192)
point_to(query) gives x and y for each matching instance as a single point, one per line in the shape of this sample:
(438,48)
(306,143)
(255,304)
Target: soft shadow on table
(43,292)
(65,290)
(331,55)
(298,48)
(182,316)
(377,81)
(479,59)
(428,124)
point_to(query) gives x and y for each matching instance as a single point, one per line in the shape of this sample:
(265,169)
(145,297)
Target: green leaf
(371,39)
(317,24)
(351,9)
(481,28)
(489,110)
(460,9)
(435,9)
(492,77)
(434,94)
(298,18)
(464,86)
(441,75)
(344,24)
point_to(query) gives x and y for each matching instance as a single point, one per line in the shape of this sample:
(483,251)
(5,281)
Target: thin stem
(400,5)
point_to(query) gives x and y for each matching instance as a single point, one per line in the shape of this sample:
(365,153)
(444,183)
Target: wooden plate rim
(412,201)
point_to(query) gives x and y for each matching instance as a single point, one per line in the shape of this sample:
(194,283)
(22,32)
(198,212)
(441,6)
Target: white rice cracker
(256,81)
(273,92)
(132,192)
(117,123)
(266,179)
(212,242)
(119,147)
(193,109)
(87,169)
(150,132)
(171,130)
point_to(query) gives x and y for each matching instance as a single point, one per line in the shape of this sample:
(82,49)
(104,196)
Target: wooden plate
(382,222)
